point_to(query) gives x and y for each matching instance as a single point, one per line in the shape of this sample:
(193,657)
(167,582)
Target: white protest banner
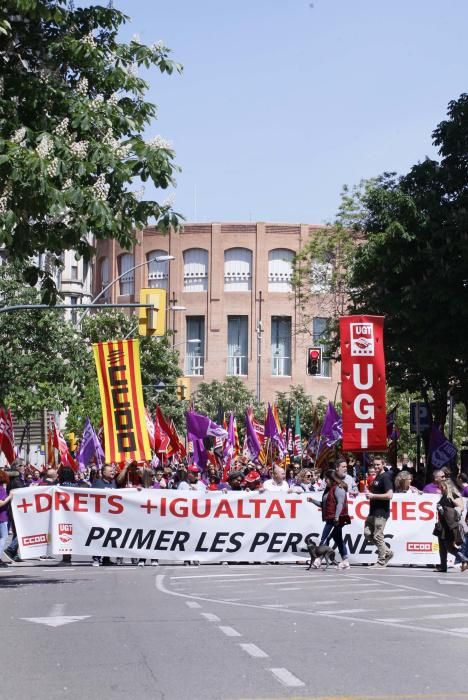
(180,525)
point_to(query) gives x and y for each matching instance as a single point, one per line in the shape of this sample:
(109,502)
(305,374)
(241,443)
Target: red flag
(180,445)
(151,429)
(363,383)
(60,443)
(161,440)
(7,435)
(175,443)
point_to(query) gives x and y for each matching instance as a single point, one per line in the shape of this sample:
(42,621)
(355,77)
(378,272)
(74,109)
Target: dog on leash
(323,552)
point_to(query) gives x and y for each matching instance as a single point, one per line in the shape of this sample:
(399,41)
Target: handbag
(437,531)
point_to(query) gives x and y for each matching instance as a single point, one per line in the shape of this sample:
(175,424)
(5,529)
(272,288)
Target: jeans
(336,533)
(3,536)
(374,532)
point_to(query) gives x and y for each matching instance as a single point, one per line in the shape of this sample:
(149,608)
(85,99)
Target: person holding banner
(5,499)
(380,494)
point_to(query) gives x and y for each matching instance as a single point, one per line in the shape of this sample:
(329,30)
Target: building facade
(239,316)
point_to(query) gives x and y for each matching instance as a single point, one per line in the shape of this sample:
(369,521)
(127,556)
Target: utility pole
(259,330)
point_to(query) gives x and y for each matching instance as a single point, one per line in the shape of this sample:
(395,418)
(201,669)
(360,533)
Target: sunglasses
(308,476)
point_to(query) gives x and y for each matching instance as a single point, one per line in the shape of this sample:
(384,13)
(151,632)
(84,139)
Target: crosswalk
(412,599)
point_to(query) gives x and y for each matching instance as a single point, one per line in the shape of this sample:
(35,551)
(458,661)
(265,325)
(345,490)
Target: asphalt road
(232,632)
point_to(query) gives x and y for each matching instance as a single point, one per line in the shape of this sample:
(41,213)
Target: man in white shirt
(193,483)
(277,482)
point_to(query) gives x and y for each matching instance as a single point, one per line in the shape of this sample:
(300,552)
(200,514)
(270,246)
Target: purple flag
(251,439)
(271,429)
(332,428)
(199,456)
(272,432)
(89,447)
(229,442)
(201,426)
(441,450)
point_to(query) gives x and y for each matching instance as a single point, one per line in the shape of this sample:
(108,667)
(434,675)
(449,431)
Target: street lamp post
(159,258)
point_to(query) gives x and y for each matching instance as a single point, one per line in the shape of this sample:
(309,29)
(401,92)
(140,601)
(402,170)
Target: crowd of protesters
(330,489)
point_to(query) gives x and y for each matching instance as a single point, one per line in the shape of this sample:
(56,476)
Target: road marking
(447,616)
(229,631)
(192,604)
(57,621)
(460,629)
(159,583)
(343,612)
(210,617)
(289,589)
(324,602)
(451,583)
(213,576)
(286,677)
(409,597)
(254,650)
(432,605)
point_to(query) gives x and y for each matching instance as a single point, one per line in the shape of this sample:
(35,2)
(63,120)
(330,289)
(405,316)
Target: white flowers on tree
(81,139)
(101,188)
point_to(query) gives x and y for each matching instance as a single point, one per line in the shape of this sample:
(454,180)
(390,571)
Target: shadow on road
(18,580)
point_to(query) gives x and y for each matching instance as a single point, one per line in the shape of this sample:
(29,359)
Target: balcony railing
(237,365)
(194,365)
(281,366)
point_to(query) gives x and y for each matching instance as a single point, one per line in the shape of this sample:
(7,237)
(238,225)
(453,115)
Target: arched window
(280,270)
(104,275)
(237,270)
(158,272)
(195,270)
(126,263)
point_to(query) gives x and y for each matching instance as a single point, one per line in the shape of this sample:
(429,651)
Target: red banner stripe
(133,388)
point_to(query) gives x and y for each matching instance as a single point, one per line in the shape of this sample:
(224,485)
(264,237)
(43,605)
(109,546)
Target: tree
(72,116)
(297,398)
(320,269)
(409,271)
(42,356)
(159,363)
(231,395)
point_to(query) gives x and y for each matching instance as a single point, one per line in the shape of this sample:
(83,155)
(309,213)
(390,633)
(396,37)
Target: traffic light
(152,321)
(183,388)
(314,361)
(72,441)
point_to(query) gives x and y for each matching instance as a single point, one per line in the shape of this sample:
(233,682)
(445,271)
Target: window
(280,270)
(195,270)
(237,270)
(158,272)
(281,346)
(74,272)
(237,345)
(125,265)
(319,328)
(195,352)
(104,275)
(85,270)
(74,312)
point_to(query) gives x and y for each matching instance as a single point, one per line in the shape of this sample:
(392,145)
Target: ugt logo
(65,532)
(362,339)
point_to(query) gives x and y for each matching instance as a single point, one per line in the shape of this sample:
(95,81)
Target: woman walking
(448,527)
(334,506)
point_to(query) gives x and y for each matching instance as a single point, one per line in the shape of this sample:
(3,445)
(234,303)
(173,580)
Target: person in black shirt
(380,495)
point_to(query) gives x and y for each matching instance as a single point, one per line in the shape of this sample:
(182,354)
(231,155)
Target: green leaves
(70,86)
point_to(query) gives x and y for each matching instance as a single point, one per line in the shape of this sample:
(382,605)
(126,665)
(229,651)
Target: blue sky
(281,103)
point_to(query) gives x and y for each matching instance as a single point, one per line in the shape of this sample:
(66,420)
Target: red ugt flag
(363,383)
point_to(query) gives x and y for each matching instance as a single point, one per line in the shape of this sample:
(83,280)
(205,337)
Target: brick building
(234,281)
